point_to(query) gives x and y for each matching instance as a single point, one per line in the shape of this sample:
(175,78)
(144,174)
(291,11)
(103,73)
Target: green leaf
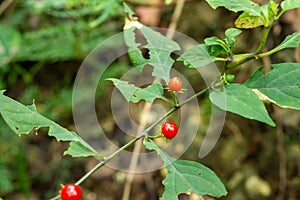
(245,20)
(273,8)
(135,94)
(197,57)
(160,49)
(232,32)
(77,149)
(231,35)
(290,4)
(216,46)
(280,86)
(291,41)
(267,12)
(25,119)
(241,100)
(127,9)
(187,176)
(237,6)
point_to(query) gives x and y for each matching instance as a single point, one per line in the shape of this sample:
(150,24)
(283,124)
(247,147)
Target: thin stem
(268,53)
(280,14)
(128,144)
(115,153)
(264,39)
(194,96)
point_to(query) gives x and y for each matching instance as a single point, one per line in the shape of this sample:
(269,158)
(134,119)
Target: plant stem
(115,153)
(268,53)
(264,39)
(131,142)
(194,96)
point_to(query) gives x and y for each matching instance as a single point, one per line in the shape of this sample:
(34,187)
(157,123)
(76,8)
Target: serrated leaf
(241,100)
(197,57)
(187,176)
(237,6)
(135,94)
(290,4)
(280,86)
(25,119)
(160,49)
(77,149)
(291,41)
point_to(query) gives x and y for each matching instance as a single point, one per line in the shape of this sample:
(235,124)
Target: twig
(118,151)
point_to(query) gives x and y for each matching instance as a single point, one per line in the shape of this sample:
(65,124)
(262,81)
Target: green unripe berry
(229,78)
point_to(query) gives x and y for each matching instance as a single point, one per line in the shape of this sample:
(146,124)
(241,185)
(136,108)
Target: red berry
(71,192)
(169,129)
(175,84)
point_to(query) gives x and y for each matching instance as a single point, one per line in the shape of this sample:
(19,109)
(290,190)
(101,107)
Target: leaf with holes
(280,86)
(135,94)
(187,176)
(25,119)
(237,6)
(159,49)
(241,100)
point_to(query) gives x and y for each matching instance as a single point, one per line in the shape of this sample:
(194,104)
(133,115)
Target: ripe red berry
(175,84)
(70,192)
(169,129)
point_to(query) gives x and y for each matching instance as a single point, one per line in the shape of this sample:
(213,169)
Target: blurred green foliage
(42,44)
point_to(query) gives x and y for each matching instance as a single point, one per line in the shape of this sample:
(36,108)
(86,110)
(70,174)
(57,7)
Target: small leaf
(290,4)
(237,6)
(197,57)
(25,119)
(291,41)
(216,46)
(268,11)
(241,100)
(245,20)
(187,176)
(232,32)
(273,8)
(77,149)
(135,94)
(231,35)
(280,86)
